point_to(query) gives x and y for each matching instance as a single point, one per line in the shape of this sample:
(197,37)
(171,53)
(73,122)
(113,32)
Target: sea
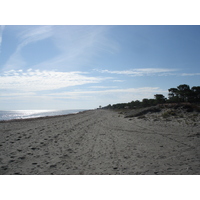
(26,114)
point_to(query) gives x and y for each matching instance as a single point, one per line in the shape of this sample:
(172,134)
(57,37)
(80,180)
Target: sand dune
(100,142)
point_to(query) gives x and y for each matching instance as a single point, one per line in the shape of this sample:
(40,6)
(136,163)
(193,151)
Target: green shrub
(165,115)
(168,114)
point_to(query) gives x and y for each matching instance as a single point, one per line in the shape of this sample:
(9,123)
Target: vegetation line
(183,93)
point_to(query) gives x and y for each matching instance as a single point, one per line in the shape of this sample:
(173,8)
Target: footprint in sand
(4,167)
(70,150)
(22,157)
(52,166)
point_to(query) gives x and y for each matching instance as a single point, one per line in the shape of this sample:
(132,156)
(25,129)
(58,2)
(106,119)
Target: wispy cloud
(143,92)
(17,94)
(142,89)
(102,87)
(1,33)
(141,72)
(104,97)
(43,80)
(78,46)
(118,81)
(84,37)
(33,34)
(190,74)
(27,36)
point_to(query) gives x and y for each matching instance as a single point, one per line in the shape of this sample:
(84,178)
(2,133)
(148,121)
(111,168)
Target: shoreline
(100,142)
(38,118)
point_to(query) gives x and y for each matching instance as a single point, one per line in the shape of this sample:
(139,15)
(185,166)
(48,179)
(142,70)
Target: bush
(168,114)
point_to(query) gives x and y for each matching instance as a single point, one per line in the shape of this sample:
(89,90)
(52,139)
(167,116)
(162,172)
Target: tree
(145,102)
(196,93)
(180,94)
(159,98)
(152,102)
(137,103)
(184,92)
(173,95)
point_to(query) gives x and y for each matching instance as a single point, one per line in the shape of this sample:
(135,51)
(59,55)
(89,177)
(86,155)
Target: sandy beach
(101,142)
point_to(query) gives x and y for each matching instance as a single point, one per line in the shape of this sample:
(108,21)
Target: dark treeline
(183,93)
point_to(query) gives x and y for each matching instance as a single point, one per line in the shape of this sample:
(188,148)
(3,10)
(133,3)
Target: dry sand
(101,142)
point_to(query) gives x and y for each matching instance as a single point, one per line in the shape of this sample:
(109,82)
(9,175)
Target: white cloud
(118,81)
(43,80)
(19,94)
(102,87)
(141,72)
(190,74)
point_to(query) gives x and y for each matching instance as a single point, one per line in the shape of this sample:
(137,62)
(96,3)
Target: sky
(83,67)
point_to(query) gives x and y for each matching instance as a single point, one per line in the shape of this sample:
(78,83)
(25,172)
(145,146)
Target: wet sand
(100,142)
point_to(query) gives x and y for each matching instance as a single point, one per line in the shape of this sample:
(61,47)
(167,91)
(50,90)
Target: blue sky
(74,67)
